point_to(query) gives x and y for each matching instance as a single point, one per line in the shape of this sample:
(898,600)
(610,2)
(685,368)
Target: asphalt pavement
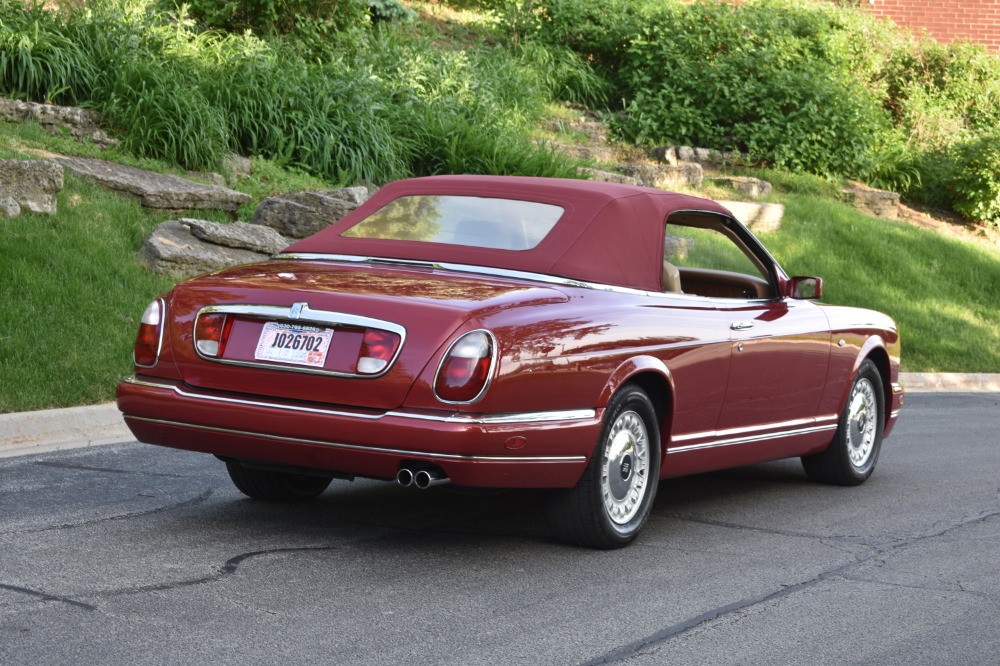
(134,554)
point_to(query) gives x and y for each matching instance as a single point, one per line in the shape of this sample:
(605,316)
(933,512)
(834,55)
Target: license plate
(301,345)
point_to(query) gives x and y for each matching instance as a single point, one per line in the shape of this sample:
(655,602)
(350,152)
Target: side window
(712,260)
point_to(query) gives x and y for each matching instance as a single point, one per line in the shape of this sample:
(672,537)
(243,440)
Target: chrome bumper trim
(368,449)
(493,419)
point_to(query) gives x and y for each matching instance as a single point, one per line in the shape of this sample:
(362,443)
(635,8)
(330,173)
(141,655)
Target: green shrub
(562,73)
(754,79)
(38,60)
(390,10)
(461,111)
(324,119)
(160,112)
(599,31)
(280,17)
(976,183)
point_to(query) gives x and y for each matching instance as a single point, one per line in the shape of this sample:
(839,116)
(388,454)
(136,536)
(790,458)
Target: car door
(780,347)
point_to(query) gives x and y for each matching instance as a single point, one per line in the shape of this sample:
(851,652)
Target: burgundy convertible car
(498,332)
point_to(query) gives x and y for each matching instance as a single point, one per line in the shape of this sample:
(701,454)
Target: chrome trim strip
(369,449)
(301,312)
(897,387)
(499,272)
(751,439)
(464,268)
(895,413)
(757,429)
(496,419)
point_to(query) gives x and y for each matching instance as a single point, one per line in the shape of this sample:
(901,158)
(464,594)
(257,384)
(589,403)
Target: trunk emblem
(296,310)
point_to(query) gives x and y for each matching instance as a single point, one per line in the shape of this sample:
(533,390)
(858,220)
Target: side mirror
(806,288)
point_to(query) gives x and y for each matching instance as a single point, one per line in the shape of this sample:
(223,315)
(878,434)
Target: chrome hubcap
(624,467)
(862,415)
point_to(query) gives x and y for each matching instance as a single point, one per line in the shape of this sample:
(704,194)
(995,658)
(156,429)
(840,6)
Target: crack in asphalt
(112,470)
(229,568)
(656,640)
(857,540)
(942,587)
(45,596)
(194,501)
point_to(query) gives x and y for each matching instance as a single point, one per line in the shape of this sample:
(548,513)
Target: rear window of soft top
(502,224)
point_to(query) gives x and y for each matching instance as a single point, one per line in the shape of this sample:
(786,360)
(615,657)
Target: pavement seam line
(657,639)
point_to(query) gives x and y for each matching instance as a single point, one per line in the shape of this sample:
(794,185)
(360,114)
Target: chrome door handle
(741,325)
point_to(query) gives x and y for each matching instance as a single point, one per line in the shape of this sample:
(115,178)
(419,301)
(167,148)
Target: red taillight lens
(147,340)
(465,369)
(210,334)
(377,350)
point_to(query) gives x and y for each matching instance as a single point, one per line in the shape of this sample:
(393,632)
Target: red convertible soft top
(609,233)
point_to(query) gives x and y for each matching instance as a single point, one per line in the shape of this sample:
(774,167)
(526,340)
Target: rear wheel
(612,500)
(851,457)
(274,486)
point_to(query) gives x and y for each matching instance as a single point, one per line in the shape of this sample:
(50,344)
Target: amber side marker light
(150,335)
(465,369)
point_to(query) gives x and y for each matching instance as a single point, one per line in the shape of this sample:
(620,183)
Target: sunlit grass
(943,293)
(72,292)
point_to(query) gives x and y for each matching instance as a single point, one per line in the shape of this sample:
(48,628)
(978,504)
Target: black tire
(613,498)
(274,486)
(851,457)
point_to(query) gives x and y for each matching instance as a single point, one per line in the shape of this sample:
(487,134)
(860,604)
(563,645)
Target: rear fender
(655,378)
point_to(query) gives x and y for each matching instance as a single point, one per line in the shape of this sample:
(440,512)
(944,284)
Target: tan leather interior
(671,278)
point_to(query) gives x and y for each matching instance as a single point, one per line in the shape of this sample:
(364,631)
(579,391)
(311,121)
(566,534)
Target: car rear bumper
(536,450)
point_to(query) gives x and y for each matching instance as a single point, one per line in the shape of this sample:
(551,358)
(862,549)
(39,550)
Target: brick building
(944,20)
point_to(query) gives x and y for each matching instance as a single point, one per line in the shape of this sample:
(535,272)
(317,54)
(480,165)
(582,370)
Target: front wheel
(613,498)
(851,457)
(275,486)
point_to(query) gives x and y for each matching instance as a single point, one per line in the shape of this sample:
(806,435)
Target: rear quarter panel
(568,355)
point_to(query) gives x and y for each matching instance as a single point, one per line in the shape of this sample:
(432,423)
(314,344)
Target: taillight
(211,332)
(150,335)
(465,368)
(377,350)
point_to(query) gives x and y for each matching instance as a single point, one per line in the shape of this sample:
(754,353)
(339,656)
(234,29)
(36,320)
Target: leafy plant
(752,79)
(977,183)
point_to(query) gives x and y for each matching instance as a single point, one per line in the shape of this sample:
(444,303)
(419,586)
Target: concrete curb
(56,429)
(921,382)
(22,433)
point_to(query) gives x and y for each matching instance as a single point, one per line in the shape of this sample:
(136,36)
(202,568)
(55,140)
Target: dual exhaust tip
(422,478)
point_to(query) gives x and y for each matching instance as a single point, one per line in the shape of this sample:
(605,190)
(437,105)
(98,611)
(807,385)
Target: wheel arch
(880,357)
(874,350)
(653,377)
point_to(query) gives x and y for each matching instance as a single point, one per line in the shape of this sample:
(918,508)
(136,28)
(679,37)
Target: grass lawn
(943,293)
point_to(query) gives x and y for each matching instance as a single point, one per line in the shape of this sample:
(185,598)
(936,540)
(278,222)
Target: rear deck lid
(345,334)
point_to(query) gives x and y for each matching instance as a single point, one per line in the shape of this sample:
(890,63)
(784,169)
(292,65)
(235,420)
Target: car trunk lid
(332,312)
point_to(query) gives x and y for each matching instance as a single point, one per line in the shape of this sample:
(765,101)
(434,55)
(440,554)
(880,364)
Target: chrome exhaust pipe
(426,478)
(404,477)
